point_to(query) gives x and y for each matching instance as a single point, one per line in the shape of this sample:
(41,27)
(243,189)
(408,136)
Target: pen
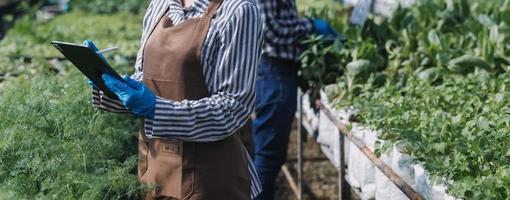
(107,50)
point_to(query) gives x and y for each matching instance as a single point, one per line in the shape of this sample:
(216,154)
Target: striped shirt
(229,57)
(283,29)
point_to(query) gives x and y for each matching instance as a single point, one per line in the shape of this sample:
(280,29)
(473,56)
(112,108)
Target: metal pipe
(385,169)
(300,148)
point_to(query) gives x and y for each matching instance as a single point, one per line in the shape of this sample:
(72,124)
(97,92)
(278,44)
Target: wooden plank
(290,180)
(385,169)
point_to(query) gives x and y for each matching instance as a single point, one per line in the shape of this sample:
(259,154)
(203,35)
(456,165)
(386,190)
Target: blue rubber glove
(322,27)
(137,97)
(92,46)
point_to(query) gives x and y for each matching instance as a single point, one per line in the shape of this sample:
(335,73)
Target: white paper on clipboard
(360,12)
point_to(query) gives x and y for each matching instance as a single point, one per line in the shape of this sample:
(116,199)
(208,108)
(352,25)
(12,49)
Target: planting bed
(431,79)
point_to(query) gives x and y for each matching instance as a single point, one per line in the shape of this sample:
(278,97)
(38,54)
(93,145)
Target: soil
(320,176)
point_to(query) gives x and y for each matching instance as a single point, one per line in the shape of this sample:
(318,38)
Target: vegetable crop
(458,130)
(432,78)
(22,51)
(110,6)
(54,144)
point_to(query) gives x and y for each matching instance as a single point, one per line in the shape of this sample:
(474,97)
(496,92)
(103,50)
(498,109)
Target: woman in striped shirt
(194,86)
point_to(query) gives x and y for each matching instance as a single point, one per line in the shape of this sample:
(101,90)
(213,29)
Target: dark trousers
(276,100)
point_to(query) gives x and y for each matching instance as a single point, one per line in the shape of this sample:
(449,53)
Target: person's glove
(322,27)
(92,46)
(136,96)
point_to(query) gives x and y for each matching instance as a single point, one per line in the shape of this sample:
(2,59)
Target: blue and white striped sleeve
(233,95)
(103,102)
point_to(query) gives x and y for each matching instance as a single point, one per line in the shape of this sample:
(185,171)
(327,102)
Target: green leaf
(486,21)
(434,38)
(499,97)
(483,123)
(457,119)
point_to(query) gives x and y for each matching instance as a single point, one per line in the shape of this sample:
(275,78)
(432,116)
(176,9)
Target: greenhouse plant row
(433,80)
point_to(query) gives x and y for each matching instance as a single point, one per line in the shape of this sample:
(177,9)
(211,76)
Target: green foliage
(110,6)
(434,79)
(326,61)
(26,52)
(358,71)
(458,130)
(454,37)
(122,30)
(303,5)
(467,64)
(55,146)
(319,64)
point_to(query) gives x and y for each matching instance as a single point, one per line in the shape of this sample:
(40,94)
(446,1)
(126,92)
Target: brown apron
(187,170)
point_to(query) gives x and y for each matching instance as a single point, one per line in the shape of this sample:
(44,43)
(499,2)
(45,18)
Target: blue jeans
(275,106)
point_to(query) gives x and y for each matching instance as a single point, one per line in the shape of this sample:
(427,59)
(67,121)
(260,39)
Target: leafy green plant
(458,130)
(110,6)
(56,146)
(319,64)
(451,37)
(433,79)
(121,30)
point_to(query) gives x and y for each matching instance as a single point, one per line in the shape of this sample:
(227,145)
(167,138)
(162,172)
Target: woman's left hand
(136,96)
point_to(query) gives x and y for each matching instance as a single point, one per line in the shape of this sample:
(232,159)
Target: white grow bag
(363,177)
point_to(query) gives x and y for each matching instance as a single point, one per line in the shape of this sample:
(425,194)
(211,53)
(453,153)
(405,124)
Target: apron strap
(212,8)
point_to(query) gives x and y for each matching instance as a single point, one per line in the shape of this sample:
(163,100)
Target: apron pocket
(164,168)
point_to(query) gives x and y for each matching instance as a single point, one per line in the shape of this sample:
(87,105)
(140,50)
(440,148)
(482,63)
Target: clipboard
(89,63)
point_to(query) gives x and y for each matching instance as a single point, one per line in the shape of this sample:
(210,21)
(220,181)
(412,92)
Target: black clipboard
(89,63)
